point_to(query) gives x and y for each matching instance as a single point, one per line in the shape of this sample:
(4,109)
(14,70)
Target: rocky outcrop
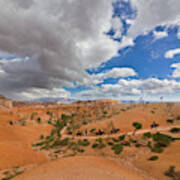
(5,103)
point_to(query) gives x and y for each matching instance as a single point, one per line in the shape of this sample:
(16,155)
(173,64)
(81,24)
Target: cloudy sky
(90,49)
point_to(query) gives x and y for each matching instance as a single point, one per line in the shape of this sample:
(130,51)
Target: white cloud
(117,26)
(125,42)
(153,13)
(113,73)
(176,72)
(178,33)
(171,53)
(37,93)
(60,38)
(134,88)
(160,34)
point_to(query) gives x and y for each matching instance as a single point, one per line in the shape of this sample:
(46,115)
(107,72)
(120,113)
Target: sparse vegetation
(175,130)
(118,148)
(84,142)
(137,126)
(39,120)
(11,123)
(153,158)
(147,135)
(171,121)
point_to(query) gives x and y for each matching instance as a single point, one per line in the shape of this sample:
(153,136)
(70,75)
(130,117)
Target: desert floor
(20,129)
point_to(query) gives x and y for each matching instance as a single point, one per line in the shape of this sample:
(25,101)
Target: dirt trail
(160,129)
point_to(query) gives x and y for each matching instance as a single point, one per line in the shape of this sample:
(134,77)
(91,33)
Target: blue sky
(119,49)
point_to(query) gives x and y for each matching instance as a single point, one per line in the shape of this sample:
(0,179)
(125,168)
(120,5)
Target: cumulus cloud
(117,27)
(171,53)
(176,72)
(133,88)
(125,42)
(153,13)
(178,33)
(55,40)
(113,73)
(160,34)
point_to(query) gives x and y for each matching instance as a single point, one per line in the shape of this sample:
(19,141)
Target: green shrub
(153,158)
(175,130)
(147,135)
(178,118)
(126,143)
(110,143)
(92,130)
(63,142)
(80,150)
(101,146)
(11,123)
(84,142)
(105,112)
(95,145)
(41,136)
(137,125)
(171,121)
(118,148)
(39,120)
(84,123)
(48,113)
(49,122)
(65,117)
(137,145)
(100,140)
(121,138)
(162,139)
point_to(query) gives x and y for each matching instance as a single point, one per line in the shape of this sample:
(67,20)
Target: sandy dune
(80,168)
